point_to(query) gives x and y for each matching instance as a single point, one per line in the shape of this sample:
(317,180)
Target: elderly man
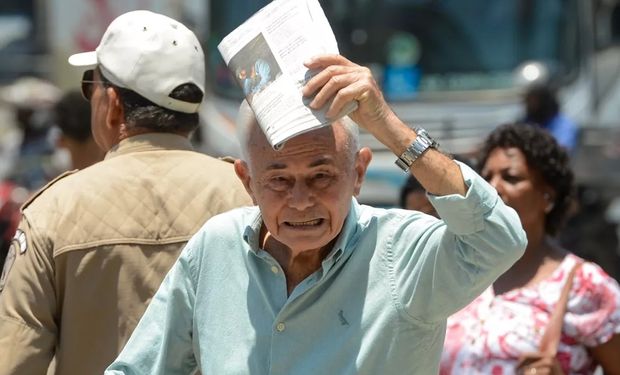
(93,246)
(310,281)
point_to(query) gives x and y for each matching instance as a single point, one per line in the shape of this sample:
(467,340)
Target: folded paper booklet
(266,55)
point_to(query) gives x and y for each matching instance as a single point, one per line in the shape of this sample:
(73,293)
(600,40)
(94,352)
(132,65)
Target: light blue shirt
(257,82)
(378,304)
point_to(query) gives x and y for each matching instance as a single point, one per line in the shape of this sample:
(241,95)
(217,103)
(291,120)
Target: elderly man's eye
(321,179)
(279,183)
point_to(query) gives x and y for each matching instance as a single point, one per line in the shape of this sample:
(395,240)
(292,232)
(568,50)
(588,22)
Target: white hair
(246,120)
(353,140)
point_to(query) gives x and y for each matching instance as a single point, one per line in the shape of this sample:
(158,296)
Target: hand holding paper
(266,55)
(344,82)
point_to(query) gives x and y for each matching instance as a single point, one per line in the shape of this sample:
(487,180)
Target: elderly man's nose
(301,196)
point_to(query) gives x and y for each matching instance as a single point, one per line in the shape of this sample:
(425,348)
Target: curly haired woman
(500,332)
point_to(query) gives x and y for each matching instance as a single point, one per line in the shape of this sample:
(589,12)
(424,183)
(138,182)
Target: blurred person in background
(93,245)
(72,117)
(543,109)
(413,197)
(32,100)
(500,332)
(27,152)
(591,233)
(38,109)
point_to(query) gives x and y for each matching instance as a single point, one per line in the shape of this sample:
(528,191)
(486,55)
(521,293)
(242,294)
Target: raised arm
(443,263)
(345,81)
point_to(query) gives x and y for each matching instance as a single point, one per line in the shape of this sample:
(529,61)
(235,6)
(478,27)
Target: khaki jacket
(93,247)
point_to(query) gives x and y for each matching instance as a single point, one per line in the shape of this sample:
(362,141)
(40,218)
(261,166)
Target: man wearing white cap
(94,245)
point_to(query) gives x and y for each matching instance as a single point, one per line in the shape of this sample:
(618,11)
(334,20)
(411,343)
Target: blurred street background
(457,68)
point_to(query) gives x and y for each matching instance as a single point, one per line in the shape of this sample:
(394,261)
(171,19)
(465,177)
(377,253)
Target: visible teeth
(304,223)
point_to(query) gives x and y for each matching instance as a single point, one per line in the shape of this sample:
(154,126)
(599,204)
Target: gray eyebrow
(316,163)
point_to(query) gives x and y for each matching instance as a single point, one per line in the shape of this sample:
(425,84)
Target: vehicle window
(424,46)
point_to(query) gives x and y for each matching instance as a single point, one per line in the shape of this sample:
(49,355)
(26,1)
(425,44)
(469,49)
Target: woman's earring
(550,203)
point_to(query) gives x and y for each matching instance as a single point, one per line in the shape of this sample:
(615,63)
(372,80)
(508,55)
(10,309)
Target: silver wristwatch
(420,144)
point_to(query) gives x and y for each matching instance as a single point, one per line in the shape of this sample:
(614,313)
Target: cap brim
(84,59)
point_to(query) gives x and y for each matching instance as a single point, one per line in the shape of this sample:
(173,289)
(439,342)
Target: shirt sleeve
(439,266)
(594,311)
(162,341)
(28,307)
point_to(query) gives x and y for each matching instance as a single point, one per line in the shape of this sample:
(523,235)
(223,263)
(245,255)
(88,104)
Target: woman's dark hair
(410,186)
(541,104)
(544,154)
(142,113)
(72,116)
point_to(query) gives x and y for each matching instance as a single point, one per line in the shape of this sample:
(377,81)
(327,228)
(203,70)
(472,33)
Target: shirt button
(280,327)
(274,269)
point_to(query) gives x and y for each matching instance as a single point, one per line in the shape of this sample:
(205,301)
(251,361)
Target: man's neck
(84,154)
(127,132)
(297,265)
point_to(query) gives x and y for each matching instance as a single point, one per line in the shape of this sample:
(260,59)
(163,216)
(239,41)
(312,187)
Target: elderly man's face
(304,190)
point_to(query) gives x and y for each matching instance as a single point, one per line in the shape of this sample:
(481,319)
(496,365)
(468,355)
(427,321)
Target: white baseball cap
(150,54)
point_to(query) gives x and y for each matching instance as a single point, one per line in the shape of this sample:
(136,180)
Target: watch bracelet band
(420,144)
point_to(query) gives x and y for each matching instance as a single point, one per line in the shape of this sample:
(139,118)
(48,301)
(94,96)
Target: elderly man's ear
(243,172)
(115,116)
(363,158)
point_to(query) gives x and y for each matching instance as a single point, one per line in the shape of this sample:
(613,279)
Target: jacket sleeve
(28,304)
(162,341)
(439,266)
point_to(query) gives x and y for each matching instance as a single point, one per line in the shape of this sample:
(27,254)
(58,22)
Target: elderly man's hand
(345,81)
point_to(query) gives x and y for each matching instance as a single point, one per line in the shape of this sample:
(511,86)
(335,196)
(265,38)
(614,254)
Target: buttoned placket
(279,327)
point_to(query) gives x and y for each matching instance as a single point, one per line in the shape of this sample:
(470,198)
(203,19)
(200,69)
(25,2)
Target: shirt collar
(251,234)
(149,142)
(343,247)
(346,241)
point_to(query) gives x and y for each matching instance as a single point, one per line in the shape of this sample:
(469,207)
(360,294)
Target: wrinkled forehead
(323,143)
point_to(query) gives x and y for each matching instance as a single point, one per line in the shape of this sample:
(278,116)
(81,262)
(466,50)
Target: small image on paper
(256,67)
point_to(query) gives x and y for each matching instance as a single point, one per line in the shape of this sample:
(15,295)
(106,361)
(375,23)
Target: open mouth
(304,224)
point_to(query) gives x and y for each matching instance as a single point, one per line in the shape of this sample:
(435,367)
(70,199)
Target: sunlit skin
(304,193)
(106,115)
(520,187)
(98,111)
